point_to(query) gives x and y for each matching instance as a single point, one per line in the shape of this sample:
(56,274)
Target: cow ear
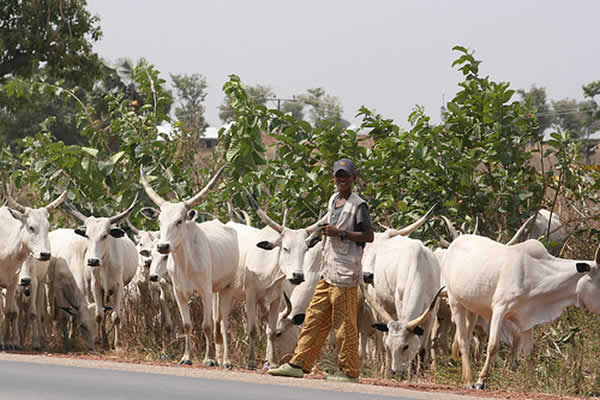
(81,231)
(149,212)
(117,232)
(17,215)
(312,242)
(191,215)
(583,267)
(298,319)
(266,245)
(417,330)
(380,327)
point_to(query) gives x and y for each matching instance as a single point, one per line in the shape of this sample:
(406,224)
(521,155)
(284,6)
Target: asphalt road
(37,377)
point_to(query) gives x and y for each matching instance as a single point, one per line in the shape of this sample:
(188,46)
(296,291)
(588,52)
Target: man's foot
(287,370)
(341,377)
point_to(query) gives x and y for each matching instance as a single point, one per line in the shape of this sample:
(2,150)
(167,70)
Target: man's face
(343,181)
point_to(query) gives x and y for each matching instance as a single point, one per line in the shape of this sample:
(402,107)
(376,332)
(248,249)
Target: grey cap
(344,164)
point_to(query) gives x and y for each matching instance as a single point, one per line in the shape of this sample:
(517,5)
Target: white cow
(24,232)
(32,299)
(265,273)
(109,263)
(203,258)
(406,280)
(153,282)
(514,287)
(66,299)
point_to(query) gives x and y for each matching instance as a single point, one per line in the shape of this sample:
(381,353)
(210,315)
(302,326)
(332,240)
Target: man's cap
(344,164)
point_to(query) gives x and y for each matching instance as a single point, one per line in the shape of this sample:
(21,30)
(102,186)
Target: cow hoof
(251,365)
(481,386)
(185,362)
(210,363)
(16,348)
(227,365)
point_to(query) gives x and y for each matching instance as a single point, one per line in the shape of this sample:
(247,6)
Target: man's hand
(330,230)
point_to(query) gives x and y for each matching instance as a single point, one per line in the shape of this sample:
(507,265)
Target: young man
(335,301)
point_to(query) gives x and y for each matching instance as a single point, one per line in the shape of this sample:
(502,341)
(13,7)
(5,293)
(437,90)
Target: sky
(388,55)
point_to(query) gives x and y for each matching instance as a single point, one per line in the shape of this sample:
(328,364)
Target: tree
(59,33)
(258,94)
(536,99)
(323,107)
(570,115)
(191,91)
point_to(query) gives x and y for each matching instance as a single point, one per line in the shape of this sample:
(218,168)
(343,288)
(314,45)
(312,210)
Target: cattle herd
(410,301)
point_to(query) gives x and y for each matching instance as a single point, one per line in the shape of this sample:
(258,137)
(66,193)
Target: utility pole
(279,100)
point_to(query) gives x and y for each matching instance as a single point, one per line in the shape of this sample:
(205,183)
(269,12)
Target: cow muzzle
(163,248)
(368,277)
(44,256)
(25,281)
(153,277)
(297,278)
(93,262)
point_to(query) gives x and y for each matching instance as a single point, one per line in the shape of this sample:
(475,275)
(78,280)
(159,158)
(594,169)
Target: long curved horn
(194,201)
(451,229)
(312,228)
(75,212)
(426,315)
(117,218)
(385,227)
(246,217)
(285,217)
(412,227)
(149,191)
(288,305)
(377,307)
(518,234)
(59,200)
(476,226)
(263,216)
(135,230)
(12,203)
(443,242)
(230,211)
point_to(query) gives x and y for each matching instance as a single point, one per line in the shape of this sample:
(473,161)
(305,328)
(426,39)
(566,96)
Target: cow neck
(557,275)
(183,253)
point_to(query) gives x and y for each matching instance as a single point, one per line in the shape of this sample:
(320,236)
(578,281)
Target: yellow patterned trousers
(331,307)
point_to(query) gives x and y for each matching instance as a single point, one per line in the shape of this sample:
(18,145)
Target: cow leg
(11,313)
(218,335)
(463,340)
(165,315)
(210,359)
(186,318)
(34,316)
(99,301)
(225,301)
(252,329)
(492,348)
(116,314)
(272,316)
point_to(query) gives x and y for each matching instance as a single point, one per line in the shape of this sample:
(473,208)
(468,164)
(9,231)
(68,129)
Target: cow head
(99,231)
(158,266)
(34,225)
(27,272)
(173,218)
(145,242)
(291,243)
(85,317)
(403,339)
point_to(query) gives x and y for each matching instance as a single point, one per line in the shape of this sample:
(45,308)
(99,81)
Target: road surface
(41,377)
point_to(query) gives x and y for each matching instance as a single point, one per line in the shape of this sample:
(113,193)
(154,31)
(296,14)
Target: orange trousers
(331,307)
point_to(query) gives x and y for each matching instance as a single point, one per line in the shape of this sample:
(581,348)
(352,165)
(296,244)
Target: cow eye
(31,229)
(179,222)
(286,249)
(405,347)
(104,237)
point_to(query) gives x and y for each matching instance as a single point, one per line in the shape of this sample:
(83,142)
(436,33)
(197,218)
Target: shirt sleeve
(362,221)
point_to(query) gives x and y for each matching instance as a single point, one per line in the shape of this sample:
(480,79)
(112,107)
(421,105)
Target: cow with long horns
(24,232)
(108,265)
(203,258)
